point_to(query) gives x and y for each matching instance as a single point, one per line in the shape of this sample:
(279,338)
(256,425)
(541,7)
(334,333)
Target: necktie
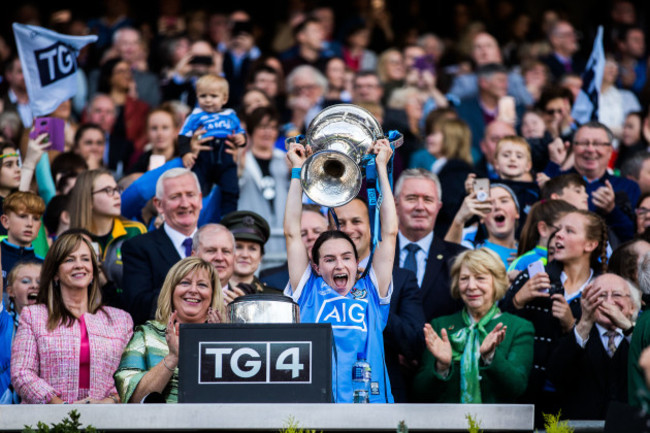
(187,244)
(568,67)
(410,263)
(611,343)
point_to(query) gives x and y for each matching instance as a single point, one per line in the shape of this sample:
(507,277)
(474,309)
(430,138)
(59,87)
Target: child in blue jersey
(213,127)
(329,289)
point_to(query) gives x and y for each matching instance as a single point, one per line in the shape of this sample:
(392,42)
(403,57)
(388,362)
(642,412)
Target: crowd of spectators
(514,264)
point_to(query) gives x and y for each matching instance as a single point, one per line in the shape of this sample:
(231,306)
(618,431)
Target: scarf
(465,345)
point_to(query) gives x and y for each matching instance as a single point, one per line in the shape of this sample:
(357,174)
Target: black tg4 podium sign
(255,363)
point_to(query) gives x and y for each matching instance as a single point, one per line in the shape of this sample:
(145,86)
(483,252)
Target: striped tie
(611,343)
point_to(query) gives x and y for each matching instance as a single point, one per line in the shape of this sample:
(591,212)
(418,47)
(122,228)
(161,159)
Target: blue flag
(585,107)
(49,62)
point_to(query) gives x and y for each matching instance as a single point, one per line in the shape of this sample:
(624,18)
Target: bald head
(485,49)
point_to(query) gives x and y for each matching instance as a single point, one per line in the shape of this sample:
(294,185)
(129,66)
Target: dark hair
(326,236)
(553,92)
(556,184)
(301,26)
(485,71)
(547,211)
(53,211)
(623,261)
(256,117)
(259,69)
(632,167)
(82,130)
(105,74)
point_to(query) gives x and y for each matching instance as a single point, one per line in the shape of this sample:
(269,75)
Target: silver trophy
(340,136)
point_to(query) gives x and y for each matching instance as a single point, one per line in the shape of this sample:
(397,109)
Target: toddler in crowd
(513,162)
(22,219)
(214,163)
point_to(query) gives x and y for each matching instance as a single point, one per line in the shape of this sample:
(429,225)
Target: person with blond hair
(479,354)
(191,294)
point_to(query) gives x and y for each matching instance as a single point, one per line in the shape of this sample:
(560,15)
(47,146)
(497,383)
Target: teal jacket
(503,381)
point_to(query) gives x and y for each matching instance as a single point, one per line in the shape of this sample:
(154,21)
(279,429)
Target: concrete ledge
(271,417)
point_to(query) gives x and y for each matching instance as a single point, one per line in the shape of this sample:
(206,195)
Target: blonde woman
(191,293)
(449,141)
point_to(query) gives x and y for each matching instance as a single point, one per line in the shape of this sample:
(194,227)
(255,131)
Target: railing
(272,417)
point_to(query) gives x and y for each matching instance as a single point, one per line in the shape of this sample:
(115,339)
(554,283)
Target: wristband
(166,366)
(295,172)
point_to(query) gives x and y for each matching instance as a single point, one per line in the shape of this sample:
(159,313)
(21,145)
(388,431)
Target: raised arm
(296,254)
(384,256)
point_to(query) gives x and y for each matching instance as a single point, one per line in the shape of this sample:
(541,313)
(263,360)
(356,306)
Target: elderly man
(312,224)
(589,365)
(612,197)
(147,258)
(215,244)
(403,333)
(418,201)
(127,44)
(485,50)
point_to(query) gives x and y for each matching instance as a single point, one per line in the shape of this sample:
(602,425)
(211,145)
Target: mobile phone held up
(54,128)
(482,188)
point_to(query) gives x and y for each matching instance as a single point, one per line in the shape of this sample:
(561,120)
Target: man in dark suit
(403,335)
(589,365)
(147,258)
(483,109)
(563,40)
(418,201)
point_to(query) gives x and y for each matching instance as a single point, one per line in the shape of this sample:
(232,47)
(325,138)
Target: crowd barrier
(272,417)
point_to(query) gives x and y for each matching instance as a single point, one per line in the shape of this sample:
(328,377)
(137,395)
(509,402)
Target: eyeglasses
(307,87)
(642,211)
(110,191)
(616,296)
(596,144)
(552,111)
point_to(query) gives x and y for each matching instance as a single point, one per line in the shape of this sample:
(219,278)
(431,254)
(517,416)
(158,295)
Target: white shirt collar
(177,238)
(424,243)
(569,298)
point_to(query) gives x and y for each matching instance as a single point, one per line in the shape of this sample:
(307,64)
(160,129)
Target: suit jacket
(588,379)
(45,363)
(403,332)
(503,381)
(452,180)
(147,258)
(277,276)
(435,289)
(557,68)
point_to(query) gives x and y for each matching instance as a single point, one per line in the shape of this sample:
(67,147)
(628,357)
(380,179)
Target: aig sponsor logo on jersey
(344,313)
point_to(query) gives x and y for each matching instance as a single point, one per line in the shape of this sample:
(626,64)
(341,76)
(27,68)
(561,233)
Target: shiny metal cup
(262,308)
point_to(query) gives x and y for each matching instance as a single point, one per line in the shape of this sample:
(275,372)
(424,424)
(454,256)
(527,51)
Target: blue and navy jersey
(358,321)
(218,125)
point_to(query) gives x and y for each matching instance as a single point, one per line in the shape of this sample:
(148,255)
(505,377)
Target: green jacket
(637,390)
(502,381)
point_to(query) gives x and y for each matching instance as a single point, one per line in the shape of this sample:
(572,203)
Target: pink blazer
(46,363)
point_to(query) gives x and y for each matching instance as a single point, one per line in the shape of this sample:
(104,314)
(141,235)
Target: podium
(255,363)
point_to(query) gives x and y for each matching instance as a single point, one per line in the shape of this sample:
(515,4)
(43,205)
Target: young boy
(22,219)
(570,187)
(213,164)
(513,162)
